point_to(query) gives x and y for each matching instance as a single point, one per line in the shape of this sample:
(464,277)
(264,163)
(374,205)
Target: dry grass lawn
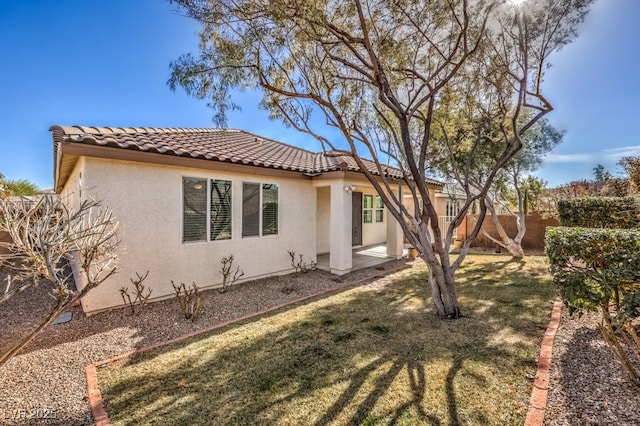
(375,354)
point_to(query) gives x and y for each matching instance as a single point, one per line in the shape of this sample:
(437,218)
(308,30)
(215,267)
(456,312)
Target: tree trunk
(443,291)
(512,245)
(60,308)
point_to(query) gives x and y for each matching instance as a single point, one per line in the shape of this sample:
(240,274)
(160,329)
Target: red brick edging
(95,396)
(538,404)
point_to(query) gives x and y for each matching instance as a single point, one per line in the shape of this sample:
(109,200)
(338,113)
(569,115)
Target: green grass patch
(362,356)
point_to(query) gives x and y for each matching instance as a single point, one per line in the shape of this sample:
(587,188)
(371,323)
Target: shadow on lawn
(377,356)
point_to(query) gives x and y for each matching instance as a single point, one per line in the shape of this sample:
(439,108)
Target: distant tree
(534,189)
(615,187)
(381,72)
(46,235)
(511,189)
(577,188)
(4,192)
(601,175)
(19,187)
(603,184)
(631,166)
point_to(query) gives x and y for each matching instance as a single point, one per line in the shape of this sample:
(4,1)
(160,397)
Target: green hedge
(600,212)
(589,264)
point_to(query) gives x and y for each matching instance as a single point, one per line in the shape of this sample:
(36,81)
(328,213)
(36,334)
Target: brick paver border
(538,403)
(93,391)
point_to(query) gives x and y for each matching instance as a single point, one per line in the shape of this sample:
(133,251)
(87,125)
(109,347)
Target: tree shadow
(372,354)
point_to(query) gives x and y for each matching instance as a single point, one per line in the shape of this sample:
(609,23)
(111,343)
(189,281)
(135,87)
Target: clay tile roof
(227,145)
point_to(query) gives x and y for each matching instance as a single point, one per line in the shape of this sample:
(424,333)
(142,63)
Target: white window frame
(208,211)
(452,208)
(260,207)
(371,210)
(377,209)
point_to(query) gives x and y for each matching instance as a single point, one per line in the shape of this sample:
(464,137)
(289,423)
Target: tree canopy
(395,78)
(19,187)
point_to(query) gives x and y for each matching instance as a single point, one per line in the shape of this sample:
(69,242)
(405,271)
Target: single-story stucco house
(186,198)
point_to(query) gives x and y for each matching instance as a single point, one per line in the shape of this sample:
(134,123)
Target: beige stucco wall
(147,200)
(407,200)
(441,204)
(72,195)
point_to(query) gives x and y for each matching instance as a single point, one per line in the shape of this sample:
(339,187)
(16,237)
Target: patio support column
(340,261)
(394,234)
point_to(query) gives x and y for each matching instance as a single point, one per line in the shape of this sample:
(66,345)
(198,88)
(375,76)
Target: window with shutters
(259,209)
(206,209)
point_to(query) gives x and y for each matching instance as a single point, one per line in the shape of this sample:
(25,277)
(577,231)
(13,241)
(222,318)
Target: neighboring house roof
(224,145)
(452,190)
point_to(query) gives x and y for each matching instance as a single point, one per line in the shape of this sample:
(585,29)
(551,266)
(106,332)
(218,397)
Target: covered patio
(362,257)
(353,228)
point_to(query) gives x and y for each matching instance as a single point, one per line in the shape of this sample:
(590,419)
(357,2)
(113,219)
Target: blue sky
(106,63)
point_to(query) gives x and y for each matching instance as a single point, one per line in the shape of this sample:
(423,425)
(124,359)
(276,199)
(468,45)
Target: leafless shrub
(299,265)
(189,299)
(229,279)
(140,299)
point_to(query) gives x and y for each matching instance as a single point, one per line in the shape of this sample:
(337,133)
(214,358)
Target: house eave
(69,152)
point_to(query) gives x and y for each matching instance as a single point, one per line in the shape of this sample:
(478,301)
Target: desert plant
(229,278)
(47,236)
(299,265)
(140,299)
(189,300)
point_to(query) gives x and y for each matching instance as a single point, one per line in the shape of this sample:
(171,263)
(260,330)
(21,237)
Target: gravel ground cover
(47,378)
(587,385)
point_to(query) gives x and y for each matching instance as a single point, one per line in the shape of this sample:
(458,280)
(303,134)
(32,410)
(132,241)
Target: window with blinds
(206,209)
(269,209)
(220,210)
(194,209)
(250,209)
(259,209)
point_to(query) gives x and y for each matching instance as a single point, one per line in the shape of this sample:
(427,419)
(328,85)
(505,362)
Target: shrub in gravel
(300,267)
(139,299)
(189,300)
(598,269)
(229,276)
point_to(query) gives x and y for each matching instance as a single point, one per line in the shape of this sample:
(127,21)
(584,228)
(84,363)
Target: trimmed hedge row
(600,212)
(598,269)
(590,264)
